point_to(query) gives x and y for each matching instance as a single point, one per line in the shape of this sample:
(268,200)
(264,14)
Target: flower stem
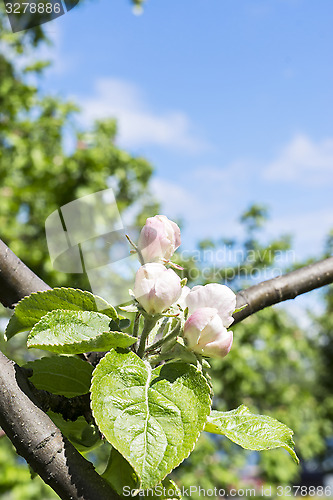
(136,324)
(149,323)
(136,249)
(165,339)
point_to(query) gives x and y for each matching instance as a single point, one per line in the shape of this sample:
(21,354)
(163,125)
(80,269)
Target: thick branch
(32,432)
(284,287)
(68,408)
(16,279)
(41,443)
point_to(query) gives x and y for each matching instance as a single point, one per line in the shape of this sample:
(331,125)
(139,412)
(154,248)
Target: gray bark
(16,279)
(284,287)
(40,442)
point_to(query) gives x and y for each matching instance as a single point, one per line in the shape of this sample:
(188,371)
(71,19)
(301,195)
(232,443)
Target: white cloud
(54,52)
(176,200)
(205,193)
(304,161)
(223,182)
(206,200)
(211,199)
(46,51)
(309,228)
(138,124)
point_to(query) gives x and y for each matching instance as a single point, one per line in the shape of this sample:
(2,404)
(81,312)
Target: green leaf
(252,432)
(67,376)
(84,436)
(123,479)
(120,474)
(74,332)
(32,308)
(167,490)
(152,417)
(124,323)
(129,309)
(62,375)
(240,308)
(14,326)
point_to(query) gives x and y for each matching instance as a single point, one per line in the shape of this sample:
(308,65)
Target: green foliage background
(275,367)
(38,174)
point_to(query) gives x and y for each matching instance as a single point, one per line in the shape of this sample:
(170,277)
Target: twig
(284,287)
(14,285)
(16,279)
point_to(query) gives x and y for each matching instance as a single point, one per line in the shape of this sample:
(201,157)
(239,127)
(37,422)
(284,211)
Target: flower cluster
(157,288)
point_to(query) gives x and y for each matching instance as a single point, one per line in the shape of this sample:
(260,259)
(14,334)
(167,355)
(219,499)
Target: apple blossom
(156,288)
(182,299)
(159,239)
(205,333)
(213,295)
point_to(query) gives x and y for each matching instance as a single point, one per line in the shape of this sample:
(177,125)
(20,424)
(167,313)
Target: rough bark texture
(34,435)
(16,279)
(40,442)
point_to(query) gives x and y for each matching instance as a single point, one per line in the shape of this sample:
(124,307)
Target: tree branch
(32,432)
(40,442)
(34,435)
(284,287)
(16,279)
(68,408)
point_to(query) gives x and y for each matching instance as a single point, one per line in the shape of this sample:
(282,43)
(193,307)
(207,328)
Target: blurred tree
(325,382)
(39,174)
(15,479)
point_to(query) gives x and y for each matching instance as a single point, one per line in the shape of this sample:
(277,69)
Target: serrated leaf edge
(77,341)
(84,292)
(248,413)
(104,360)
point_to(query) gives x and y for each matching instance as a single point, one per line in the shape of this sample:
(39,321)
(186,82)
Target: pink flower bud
(205,334)
(156,288)
(159,239)
(214,295)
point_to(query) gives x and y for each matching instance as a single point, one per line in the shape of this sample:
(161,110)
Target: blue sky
(230,101)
